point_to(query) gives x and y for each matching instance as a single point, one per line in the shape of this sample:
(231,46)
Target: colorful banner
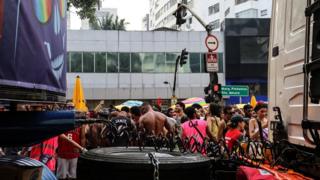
(33,44)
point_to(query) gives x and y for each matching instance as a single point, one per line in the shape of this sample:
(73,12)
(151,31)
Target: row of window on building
(110,62)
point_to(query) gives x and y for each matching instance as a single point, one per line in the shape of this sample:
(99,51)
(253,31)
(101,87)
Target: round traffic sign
(212,42)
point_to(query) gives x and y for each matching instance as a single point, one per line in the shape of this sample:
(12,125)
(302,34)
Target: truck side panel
(285,69)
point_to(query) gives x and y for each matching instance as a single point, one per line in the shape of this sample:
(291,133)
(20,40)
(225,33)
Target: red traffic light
(216,87)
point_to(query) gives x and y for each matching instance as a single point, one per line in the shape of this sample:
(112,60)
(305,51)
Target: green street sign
(235,90)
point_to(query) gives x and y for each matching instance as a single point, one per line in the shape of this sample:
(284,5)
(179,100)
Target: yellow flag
(253,102)
(78,97)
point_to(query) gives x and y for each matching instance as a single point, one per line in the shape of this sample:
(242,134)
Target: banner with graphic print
(33,44)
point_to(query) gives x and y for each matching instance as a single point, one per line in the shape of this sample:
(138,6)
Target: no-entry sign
(212,62)
(212,42)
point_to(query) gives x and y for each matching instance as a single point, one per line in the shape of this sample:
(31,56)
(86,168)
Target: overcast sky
(132,11)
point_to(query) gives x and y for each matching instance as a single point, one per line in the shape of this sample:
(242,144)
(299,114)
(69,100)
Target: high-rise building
(100,14)
(145,23)
(213,12)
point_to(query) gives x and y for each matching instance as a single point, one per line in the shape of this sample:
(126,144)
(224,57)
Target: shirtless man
(155,122)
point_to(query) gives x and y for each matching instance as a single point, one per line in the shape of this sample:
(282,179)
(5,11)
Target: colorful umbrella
(78,97)
(195,100)
(129,104)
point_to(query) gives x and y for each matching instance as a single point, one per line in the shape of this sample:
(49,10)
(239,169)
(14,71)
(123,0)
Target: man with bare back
(154,122)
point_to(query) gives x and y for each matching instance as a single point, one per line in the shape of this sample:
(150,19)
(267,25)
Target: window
(254,49)
(124,62)
(136,62)
(214,9)
(76,62)
(148,63)
(227,12)
(160,62)
(195,62)
(88,62)
(112,62)
(68,62)
(171,61)
(190,20)
(215,24)
(100,62)
(264,12)
(240,1)
(250,13)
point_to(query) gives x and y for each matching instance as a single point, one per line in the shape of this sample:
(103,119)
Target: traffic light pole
(175,77)
(208,27)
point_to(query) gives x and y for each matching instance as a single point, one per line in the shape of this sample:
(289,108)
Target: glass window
(215,24)
(264,12)
(88,62)
(250,13)
(171,62)
(148,63)
(124,60)
(100,62)
(160,62)
(254,49)
(195,62)
(226,12)
(214,9)
(240,1)
(76,62)
(136,62)
(112,62)
(68,62)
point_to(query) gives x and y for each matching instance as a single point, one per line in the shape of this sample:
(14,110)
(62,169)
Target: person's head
(197,106)
(125,109)
(171,113)
(145,107)
(135,112)
(181,105)
(247,110)
(191,113)
(228,112)
(237,122)
(215,109)
(261,109)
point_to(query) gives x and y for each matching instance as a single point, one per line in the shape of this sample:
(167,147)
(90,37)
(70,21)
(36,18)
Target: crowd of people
(215,122)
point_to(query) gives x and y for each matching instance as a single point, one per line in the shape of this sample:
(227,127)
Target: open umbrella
(78,97)
(195,100)
(129,104)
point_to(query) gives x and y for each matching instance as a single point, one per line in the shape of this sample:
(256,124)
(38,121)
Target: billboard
(33,49)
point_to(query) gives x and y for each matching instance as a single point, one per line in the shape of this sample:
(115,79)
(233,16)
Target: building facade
(121,65)
(246,51)
(213,12)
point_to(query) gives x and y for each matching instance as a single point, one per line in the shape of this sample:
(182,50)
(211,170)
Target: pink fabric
(188,131)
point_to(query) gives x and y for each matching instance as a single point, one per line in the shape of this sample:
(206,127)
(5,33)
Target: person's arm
(83,135)
(209,126)
(253,133)
(222,125)
(75,144)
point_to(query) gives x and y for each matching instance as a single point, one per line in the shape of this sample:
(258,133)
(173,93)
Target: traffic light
(183,57)
(216,92)
(180,14)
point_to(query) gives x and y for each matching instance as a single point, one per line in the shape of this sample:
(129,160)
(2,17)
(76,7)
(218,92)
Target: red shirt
(65,149)
(48,148)
(232,136)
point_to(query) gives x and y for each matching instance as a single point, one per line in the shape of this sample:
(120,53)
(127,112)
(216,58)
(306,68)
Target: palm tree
(108,23)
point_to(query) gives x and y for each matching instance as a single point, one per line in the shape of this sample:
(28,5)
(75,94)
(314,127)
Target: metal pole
(306,76)
(175,77)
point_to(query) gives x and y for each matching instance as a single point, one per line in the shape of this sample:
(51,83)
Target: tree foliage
(84,8)
(108,23)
